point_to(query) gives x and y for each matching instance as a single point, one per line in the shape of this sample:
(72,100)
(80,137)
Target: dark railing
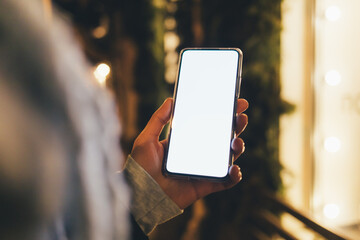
(268,220)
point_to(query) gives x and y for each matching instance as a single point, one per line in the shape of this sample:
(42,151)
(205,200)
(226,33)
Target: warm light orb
(171,58)
(170,23)
(170,74)
(332,77)
(332,144)
(101,72)
(331,211)
(333,13)
(99,32)
(171,41)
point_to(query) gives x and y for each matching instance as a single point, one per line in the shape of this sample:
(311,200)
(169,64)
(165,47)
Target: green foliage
(143,23)
(140,23)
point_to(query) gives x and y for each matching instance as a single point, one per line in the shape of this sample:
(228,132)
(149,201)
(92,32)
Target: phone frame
(233,129)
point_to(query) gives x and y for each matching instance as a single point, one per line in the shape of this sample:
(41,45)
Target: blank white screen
(202,122)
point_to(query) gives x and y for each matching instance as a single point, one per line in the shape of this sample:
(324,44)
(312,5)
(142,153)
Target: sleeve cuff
(150,205)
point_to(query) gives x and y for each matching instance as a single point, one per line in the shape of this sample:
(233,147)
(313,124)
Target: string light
(99,32)
(170,74)
(332,77)
(332,144)
(171,41)
(101,72)
(331,211)
(333,13)
(170,23)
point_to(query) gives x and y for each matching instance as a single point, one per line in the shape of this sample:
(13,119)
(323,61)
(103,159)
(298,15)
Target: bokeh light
(332,144)
(331,211)
(332,77)
(101,72)
(99,32)
(171,41)
(333,13)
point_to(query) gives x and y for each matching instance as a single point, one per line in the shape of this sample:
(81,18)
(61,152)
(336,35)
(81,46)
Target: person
(59,146)
(148,153)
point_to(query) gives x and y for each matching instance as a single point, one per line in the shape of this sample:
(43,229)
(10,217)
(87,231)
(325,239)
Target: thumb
(159,119)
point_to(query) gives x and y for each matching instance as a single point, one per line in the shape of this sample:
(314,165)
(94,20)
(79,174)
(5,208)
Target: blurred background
(299,75)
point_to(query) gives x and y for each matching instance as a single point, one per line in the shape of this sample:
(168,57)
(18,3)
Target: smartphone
(204,114)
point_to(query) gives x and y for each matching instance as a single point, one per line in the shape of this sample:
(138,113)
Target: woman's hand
(148,152)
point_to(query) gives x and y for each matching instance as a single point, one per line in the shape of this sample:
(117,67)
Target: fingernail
(239,175)
(233,146)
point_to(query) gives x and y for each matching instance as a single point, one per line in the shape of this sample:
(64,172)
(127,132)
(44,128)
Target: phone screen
(202,122)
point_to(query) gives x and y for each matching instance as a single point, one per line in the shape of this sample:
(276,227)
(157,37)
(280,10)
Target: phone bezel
(236,96)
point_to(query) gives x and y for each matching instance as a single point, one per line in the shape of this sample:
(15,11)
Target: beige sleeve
(150,205)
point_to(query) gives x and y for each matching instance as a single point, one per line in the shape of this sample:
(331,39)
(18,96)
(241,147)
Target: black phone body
(203,119)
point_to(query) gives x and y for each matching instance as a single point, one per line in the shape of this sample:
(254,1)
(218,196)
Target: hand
(148,152)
